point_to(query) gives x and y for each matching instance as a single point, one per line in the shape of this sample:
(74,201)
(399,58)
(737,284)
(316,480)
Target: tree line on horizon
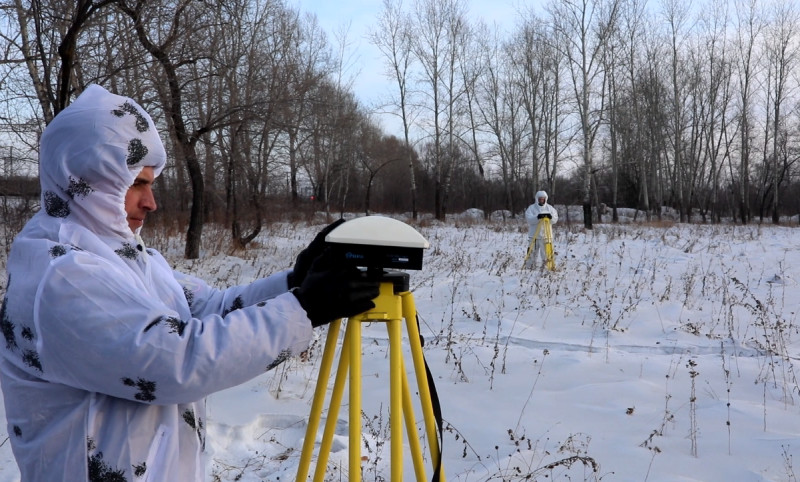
(624,103)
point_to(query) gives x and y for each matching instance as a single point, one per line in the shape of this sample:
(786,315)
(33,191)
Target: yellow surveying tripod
(393,304)
(377,242)
(546,229)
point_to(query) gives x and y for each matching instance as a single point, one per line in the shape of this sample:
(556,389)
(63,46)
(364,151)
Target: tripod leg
(354,330)
(333,408)
(548,247)
(526,263)
(410,314)
(411,430)
(396,398)
(319,398)
(530,254)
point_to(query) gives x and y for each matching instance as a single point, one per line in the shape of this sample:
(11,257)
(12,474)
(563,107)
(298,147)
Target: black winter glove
(544,215)
(309,254)
(332,290)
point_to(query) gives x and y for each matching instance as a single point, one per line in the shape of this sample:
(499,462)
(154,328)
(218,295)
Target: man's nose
(149,201)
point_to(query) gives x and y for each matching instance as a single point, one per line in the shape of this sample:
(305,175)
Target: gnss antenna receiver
(382,246)
(378,242)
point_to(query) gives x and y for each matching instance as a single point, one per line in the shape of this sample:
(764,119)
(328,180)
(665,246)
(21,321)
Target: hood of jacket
(90,155)
(541,194)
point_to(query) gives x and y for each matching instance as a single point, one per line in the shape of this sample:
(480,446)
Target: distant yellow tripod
(392,305)
(544,228)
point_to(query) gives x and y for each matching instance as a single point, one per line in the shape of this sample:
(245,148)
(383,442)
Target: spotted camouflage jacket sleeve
(204,299)
(99,329)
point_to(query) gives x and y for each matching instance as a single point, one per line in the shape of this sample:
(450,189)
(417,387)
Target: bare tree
(583,28)
(176,36)
(471,68)
(437,25)
(612,64)
(718,83)
(749,25)
(392,35)
(48,39)
(54,81)
(346,134)
(502,113)
(676,16)
(781,57)
(333,150)
(306,66)
(629,107)
(458,35)
(247,78)
(376,155)
(536,65)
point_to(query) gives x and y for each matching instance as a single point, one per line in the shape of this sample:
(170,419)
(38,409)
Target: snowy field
(662,353)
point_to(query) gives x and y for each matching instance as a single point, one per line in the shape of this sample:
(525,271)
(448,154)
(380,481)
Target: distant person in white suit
(535,212)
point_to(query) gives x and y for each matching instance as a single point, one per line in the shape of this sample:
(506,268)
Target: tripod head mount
(378,242)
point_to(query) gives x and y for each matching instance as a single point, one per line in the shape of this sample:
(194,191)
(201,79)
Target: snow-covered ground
(651,354)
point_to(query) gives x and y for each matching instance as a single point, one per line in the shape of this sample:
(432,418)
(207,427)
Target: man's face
(139,199)
(542,200)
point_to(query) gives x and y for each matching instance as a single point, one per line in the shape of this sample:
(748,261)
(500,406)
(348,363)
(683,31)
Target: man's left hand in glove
(334,289)
(309,254)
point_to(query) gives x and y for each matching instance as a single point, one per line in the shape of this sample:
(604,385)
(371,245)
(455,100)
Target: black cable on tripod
(437,409)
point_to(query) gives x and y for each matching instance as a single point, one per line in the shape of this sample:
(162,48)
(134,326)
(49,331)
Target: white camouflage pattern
(107,354)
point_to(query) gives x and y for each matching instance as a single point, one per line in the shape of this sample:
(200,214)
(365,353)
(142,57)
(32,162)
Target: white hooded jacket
(107,354)
(533,211)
